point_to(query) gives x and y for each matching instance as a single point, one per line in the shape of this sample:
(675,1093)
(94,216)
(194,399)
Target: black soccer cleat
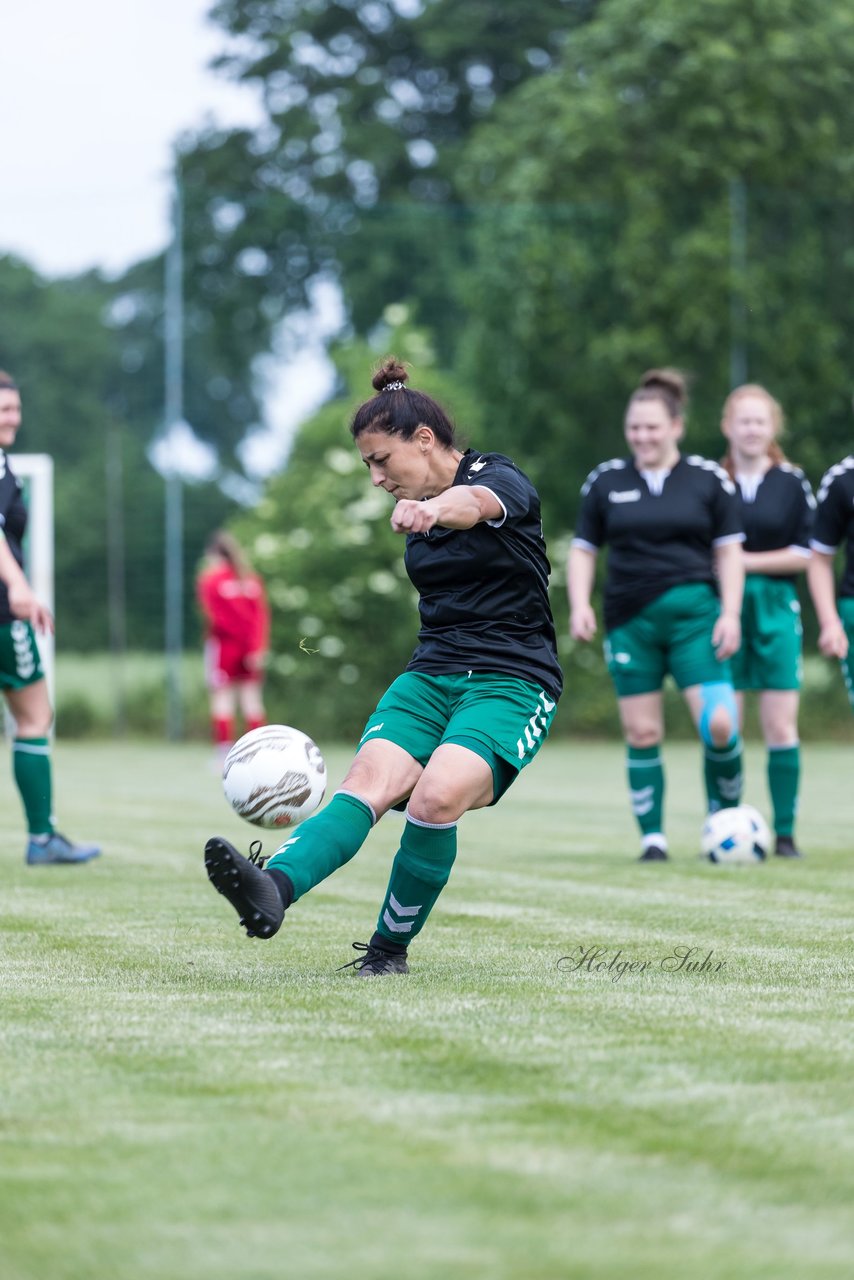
(786,848)
(654,853)
(250,890)
(376,961)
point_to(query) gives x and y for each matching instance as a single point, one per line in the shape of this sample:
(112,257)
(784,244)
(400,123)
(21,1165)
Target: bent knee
(644,736)
(718,715)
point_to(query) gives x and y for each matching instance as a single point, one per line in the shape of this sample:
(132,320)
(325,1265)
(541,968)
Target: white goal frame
(35,471)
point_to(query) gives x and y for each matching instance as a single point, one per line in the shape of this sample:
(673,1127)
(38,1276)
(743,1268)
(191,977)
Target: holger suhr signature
(680,959)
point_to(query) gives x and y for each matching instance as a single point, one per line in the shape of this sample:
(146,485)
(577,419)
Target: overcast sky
(92,97)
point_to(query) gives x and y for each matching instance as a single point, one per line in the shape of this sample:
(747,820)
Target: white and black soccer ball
(274,776)
(735,837)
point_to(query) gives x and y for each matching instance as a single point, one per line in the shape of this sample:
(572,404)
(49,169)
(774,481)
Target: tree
(366,105)
(608,232)
(69,365)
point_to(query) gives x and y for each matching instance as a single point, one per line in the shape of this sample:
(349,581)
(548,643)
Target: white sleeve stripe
(800,551)
(584,545)
(729,537)
(823,547)
(493,524)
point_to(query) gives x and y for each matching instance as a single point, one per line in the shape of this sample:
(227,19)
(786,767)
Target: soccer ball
(735,837)
(274,776)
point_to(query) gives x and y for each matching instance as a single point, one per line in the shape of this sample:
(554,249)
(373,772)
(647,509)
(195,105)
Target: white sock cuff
(362,800)
(431,826)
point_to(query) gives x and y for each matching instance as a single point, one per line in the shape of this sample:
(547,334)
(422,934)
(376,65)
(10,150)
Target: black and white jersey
(660,535)
(778,510)
(483,592)
(13,523)
(834,518)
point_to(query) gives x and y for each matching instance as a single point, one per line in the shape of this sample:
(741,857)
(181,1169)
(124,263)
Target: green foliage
(69,365)
(366,106)
(607,237)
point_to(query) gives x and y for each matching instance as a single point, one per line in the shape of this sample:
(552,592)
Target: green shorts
(20,663)
(501,719)
(770,656)
(846,613)
(672,635)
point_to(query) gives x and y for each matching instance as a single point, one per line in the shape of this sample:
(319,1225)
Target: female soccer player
(777,509)
(237,625)
(834,523)
(674,529)
(476,700)
(21,675)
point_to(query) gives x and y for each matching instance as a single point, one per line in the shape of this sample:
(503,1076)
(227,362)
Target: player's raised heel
(249,889)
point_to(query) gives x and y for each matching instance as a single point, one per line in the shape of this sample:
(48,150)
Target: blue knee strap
(715,695)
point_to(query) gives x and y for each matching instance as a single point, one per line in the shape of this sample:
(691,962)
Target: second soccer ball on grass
(735,837)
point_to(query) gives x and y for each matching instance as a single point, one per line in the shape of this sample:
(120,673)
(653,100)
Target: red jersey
(235,608)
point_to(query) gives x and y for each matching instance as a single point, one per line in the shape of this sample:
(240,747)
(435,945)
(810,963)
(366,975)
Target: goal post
(35,472)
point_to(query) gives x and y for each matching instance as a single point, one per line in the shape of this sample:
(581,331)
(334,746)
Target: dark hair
(667,385)
(222,543)
(7,382)
(398,411)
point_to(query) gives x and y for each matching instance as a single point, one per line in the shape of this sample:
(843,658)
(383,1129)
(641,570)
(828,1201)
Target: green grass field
(179,1102)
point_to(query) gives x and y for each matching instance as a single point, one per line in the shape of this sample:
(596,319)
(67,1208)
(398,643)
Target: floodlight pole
(738,282)
(174,551)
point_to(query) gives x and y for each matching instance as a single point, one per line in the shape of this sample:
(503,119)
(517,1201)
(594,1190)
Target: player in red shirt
(237,632)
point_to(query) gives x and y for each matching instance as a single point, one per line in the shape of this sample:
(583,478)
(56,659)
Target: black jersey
(834,518)
(778,511)
(657,540)
(13,522)
(483,592)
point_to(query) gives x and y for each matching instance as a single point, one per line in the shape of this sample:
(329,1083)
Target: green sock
(324,843)
(784,775)
(31,763)
(722,769)
(419,873)
(646,787)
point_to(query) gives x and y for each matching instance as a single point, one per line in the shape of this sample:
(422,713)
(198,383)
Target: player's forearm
(783,562)
(11,572)
(580,576)
(730,570)
(822,585)
(462,507)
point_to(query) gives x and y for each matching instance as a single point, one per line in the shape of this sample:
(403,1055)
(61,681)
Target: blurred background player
(475,702)
(777,510)
(673,526)
(21,675)
(834,524)
(237,635)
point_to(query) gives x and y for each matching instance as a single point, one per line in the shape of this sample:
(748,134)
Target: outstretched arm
(460,507)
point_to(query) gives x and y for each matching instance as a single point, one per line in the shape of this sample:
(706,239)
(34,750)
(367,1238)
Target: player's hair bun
(670,381)
(390,371)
